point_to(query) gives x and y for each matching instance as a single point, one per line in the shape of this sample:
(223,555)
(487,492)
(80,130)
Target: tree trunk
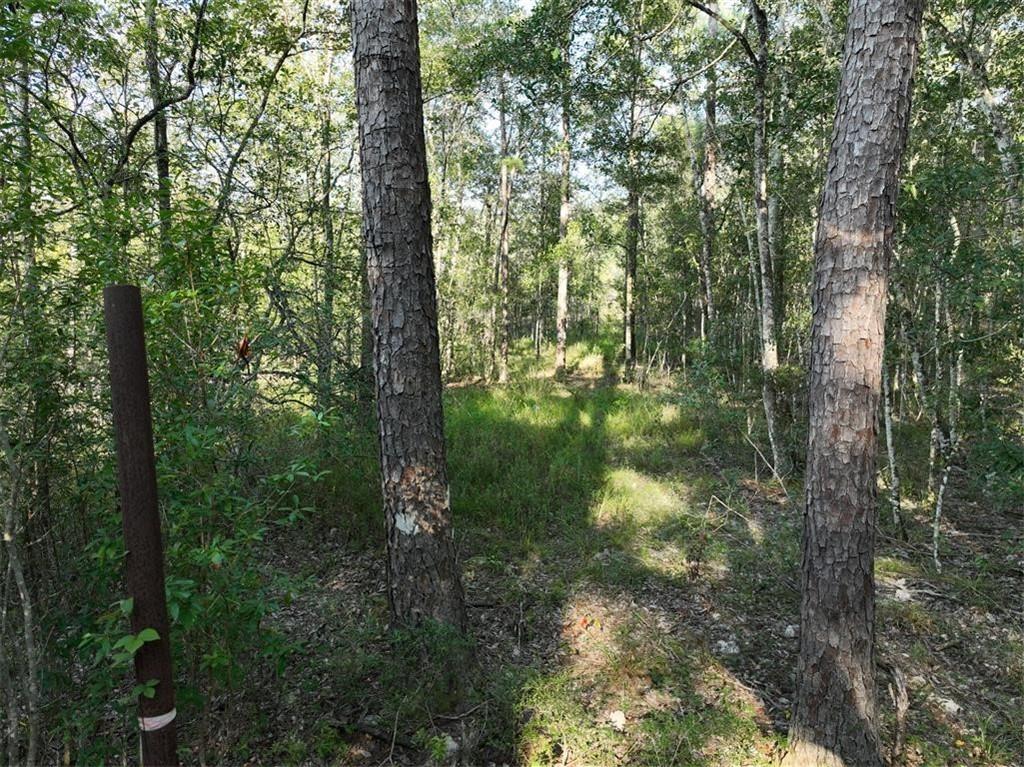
(423,576)
(949,438)
(325,334)
(777,162)
(562,309)
(1009,159)
(629,304)
(708,183)
(505,200)
(769,344)
(834,719)
(950,441)
(632,225)
(161,153)
(17,526)
(890,447)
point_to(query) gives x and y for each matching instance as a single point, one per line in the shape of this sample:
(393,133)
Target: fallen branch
(901,702)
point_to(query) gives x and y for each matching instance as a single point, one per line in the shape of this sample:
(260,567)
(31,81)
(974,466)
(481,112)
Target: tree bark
(834,720)
(367,382)
(423,576)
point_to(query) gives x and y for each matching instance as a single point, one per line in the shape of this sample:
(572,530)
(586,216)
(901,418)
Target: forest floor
(633,594)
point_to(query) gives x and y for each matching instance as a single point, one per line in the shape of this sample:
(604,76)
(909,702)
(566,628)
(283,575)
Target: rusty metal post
(136,478)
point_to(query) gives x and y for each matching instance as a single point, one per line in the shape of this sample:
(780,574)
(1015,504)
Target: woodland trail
(633,598)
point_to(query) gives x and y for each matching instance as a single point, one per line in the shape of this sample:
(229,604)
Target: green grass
(584,511)
(593,490)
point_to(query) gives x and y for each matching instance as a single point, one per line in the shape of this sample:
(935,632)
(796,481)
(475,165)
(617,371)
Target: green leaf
(124,641)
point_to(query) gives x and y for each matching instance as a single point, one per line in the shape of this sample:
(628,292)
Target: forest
(512,382)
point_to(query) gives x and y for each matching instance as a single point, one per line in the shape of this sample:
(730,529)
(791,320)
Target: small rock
(450,746)
(617,720)
(949,706)
(900,592)
(727,647)
(791,631)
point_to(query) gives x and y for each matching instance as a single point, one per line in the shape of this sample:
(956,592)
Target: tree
(423,577)
(564,209)
(627,93)
(769,334)
(506,173)
(973,62)
(325,329)
(706,181)
(161,147)
(759,63)
(834,720)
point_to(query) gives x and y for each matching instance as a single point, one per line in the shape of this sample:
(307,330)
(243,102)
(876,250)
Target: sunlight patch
(632,690)
(591,365)
(632,497)
(670,414)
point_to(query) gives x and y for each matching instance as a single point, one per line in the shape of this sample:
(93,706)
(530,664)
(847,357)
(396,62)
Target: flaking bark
(423,576)
(835,720)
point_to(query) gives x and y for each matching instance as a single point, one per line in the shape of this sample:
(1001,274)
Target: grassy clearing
(632,591)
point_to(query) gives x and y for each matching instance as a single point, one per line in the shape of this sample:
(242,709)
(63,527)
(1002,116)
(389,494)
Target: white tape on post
(151,723)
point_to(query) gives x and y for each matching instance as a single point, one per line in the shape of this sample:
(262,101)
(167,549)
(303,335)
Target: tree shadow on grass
(589,562)
(587,652)
(631,600)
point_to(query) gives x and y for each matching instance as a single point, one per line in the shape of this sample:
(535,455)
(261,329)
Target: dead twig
(771,466)
(369,728)
(463,715)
